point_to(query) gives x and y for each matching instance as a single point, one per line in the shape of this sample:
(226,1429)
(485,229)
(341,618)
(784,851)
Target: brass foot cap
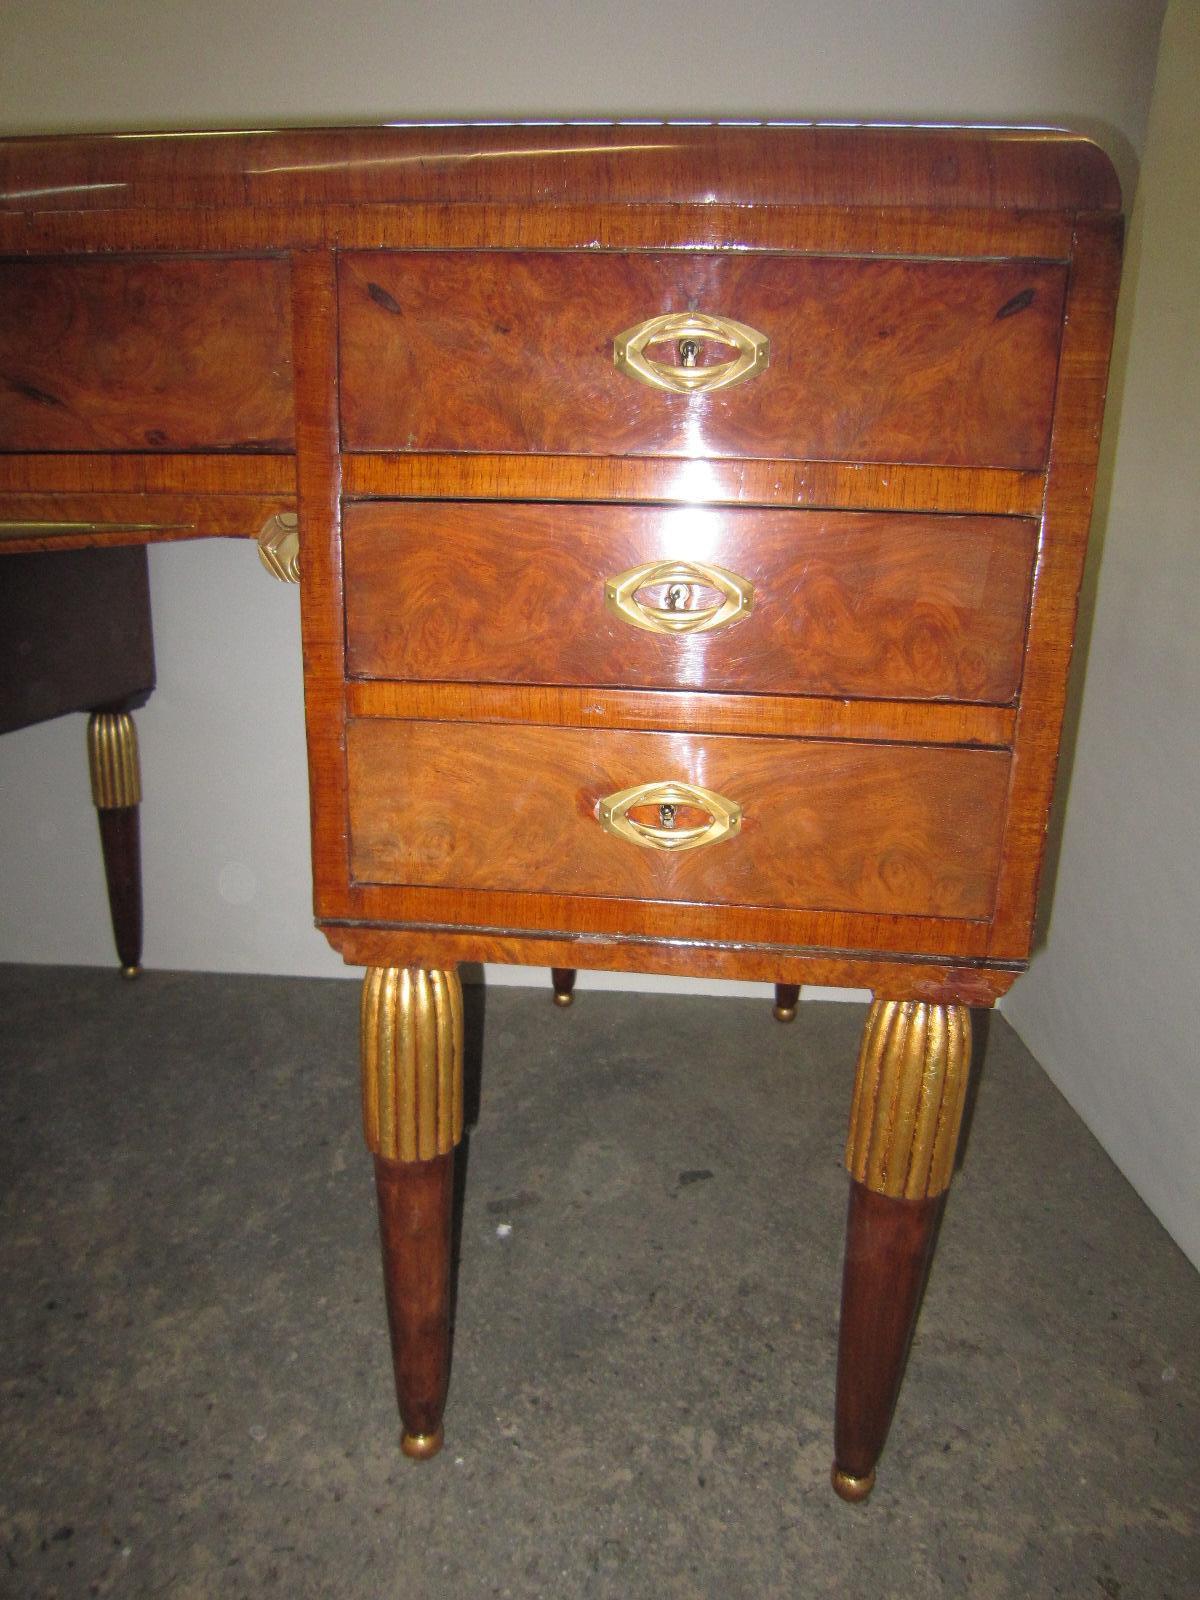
(420,1446)
(784,1013)
(564,999)
(130,971)
(849,1487)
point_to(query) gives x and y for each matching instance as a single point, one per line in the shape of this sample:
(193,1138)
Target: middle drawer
(771,601)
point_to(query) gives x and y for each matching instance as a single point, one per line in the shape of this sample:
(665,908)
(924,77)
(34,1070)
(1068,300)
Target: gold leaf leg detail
(116,778)
(412,1052)
(909,1093)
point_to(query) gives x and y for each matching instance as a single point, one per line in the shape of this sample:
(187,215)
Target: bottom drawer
(810,824)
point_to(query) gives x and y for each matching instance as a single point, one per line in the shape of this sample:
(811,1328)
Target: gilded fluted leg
(787,998)
(412,1058)
(904,1124)
(117,792)
(563,979)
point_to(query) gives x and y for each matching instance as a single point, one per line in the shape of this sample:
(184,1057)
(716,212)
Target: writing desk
(691,520)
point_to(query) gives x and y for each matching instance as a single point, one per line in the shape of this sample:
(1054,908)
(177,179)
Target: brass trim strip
(113,764)
(909,1090)
(35,528)
(412,1045)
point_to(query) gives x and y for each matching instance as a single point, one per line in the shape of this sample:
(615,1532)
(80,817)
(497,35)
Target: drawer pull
(677,579)
(687,331)
(669,830)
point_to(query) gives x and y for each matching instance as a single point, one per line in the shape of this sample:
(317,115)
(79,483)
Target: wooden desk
(691,524)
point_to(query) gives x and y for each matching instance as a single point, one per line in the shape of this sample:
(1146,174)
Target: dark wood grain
(826,826)
(563,982)
(120,842)
(145,353)
(870,360)
(415,1213)
(888,1247)
(546,164)
(891,606)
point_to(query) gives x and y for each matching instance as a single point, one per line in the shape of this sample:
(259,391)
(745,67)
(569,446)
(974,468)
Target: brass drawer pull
(688,330)
(668,797)
(678,579)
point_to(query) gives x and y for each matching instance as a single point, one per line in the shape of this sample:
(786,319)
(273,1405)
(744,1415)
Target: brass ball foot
(784,1013)
(130,971)
(420,1446)
(850,1488)
(564,999)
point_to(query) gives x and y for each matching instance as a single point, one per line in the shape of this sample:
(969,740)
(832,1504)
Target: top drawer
(941,362)
(145,353)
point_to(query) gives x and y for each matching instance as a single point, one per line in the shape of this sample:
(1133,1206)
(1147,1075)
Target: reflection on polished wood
(898,499)
(900,607)
(870,360)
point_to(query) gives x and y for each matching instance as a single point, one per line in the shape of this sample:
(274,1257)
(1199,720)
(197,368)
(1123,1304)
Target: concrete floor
(196,1389)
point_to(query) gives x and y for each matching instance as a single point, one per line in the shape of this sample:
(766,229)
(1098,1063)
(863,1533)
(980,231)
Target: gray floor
(196,1391)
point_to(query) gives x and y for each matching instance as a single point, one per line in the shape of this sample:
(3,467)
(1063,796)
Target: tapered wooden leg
(412,1055)
(904,1124)
(787,998)
(117,791)
(563,979)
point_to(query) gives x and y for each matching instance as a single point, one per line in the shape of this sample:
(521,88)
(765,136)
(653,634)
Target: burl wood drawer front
(900,607)
(870,360)
(145,353)
(825,825)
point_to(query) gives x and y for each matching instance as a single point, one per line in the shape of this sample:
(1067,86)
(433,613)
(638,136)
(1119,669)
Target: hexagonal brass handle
(683,584)
(666,798)
(688,330)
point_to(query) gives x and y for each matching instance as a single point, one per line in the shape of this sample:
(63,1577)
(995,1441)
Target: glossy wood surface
(944,362)
(994,201)
(896,607)
(888,1246)
(415,1200)
(144,354)
(693,712)
(1070,488)
(864,486)
(547,164)
(826,826)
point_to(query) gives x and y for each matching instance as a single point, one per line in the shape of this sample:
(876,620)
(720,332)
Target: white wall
(225,827)
(1108,1004)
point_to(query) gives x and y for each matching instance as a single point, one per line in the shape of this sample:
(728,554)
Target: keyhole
(666,816)
(676,595)
(689,352)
